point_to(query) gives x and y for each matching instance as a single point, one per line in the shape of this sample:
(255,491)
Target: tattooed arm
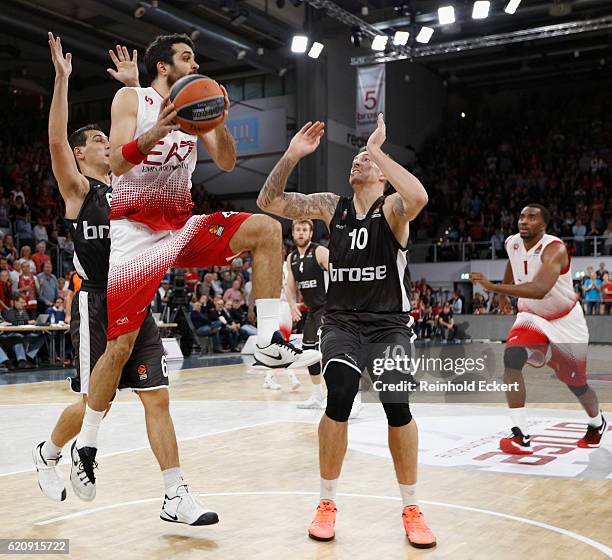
(274,199)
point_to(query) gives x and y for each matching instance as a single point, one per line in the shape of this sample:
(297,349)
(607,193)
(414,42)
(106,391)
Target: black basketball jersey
(368,269)
(310,278)
(90,232)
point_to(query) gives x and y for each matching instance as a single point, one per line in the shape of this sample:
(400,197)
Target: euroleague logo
(142,371)
(216,229)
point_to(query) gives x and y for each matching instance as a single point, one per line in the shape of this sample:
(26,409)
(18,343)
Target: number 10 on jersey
(359,238)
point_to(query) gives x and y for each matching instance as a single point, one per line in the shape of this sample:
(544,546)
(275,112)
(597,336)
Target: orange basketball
(199,103)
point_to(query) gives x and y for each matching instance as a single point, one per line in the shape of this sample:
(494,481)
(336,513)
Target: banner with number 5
(370,98)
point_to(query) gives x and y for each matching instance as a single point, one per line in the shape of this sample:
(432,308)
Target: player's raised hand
(165,120)
(126,68)
(378,137)
(306,140)
(63,64)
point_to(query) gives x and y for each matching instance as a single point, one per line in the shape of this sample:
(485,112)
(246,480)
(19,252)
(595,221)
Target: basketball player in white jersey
(81,168)
(549,328)
(152,228)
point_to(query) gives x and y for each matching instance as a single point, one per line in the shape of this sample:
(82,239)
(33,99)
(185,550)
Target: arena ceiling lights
(299,45)
(425,35)
(481,9)
(400,38)
(512,6)
(446,15)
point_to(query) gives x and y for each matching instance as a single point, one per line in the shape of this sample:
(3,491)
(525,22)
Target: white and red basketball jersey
(525,265)
(158,191)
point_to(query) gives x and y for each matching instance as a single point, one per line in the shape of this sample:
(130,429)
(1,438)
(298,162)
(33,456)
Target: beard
(302,244)
(175,75)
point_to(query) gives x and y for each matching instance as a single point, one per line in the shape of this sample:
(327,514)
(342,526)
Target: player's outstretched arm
(72,184)
(127,151)
(554,258)
(220,143)
(274,199)
(291,292)
(411,196)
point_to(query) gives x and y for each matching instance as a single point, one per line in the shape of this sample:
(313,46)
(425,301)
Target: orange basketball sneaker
(322,526)
(418,533)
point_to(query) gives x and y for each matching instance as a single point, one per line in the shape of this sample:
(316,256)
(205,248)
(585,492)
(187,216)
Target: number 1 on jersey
(525,267)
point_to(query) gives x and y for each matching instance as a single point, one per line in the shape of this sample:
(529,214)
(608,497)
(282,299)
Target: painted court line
(190,438)
(571,534)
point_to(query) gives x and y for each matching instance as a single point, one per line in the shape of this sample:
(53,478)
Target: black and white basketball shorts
(310,334)
(145,370)
(362,340)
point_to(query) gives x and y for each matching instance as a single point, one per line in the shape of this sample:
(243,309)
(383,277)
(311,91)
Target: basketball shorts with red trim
(140,257)
(562,344)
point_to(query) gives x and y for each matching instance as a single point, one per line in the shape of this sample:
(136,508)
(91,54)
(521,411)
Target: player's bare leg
(180,505)
(404,447)
(515,399)
(103,384)
(262,235)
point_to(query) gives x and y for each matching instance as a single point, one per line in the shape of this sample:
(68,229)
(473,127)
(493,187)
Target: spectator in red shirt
(6,290)
(40,257)
(191,278)
(27,286)
(607,294)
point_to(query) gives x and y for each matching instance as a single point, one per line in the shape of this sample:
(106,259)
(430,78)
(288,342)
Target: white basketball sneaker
(82,474)
(49,477)
(295,382)
(282,354)
(184,508)
(313,403)
(270,382)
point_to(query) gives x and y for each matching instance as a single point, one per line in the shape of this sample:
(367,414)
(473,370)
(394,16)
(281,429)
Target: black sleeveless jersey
(309,276)
(368,269)
(90,232)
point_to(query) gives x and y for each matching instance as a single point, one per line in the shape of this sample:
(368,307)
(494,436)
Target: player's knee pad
(398,414)
(515,357)
(342,386)
(580,390)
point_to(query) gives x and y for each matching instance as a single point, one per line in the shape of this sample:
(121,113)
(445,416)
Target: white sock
(89,431)
(317,392)
(596,421)
(172,479)
(50,450)
(328,489)
(519,418)
(268,318)
(409,495)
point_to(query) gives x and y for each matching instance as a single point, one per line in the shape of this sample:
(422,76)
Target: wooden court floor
(254,461)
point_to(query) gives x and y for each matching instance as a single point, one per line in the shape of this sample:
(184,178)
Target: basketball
(199,103)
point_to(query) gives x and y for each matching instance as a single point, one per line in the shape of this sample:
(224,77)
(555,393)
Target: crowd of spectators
(596,291)
(481,170)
